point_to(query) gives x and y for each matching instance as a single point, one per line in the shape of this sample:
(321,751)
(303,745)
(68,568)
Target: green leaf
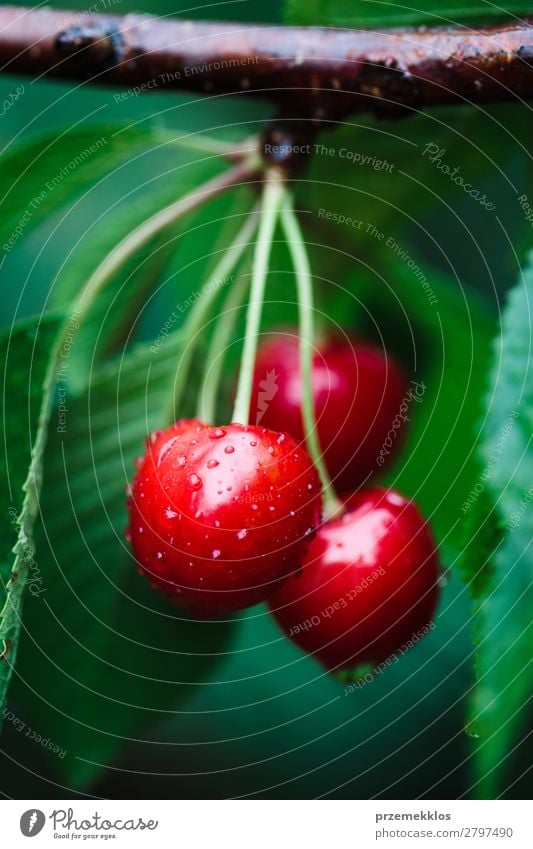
(388,13)
(104,655)
(482,536)
(279,727)
(437,466)
(25,352)
(109,321)
(504,596)
(40,175)
(393,175)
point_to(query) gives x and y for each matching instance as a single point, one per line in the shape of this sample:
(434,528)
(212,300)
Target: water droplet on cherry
(195,481)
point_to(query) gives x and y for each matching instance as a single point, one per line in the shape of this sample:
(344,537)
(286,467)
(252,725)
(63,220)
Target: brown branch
(309,72)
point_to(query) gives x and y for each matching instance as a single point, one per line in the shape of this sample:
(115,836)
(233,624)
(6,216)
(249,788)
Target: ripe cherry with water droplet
(369,584)
(209,537)
(358,390)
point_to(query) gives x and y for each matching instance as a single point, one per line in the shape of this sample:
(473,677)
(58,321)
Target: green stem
(200,309)
(300,259)
(272,198)
(145,231)
(223,332)
(231,151)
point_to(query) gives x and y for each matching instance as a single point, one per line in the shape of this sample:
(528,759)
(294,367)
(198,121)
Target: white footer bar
(266,824)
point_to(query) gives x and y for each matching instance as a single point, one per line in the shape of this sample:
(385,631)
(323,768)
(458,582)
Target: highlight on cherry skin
(219,516)
(369,584)
(358,391)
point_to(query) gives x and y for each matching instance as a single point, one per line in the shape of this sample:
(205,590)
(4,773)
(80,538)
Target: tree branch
(314,73)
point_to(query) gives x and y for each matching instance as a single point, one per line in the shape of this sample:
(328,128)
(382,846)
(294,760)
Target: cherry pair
(224,517)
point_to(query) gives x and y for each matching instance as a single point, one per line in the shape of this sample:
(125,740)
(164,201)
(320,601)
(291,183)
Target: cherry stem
(291,226)
(142,234)
(222,333)
(199,311)
(273,196)
(139,237)
(230,151)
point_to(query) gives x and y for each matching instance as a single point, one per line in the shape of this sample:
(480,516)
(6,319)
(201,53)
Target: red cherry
(369,584)
(358,393)
(220,515)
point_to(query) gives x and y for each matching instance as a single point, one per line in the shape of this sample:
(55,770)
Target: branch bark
(315,73)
